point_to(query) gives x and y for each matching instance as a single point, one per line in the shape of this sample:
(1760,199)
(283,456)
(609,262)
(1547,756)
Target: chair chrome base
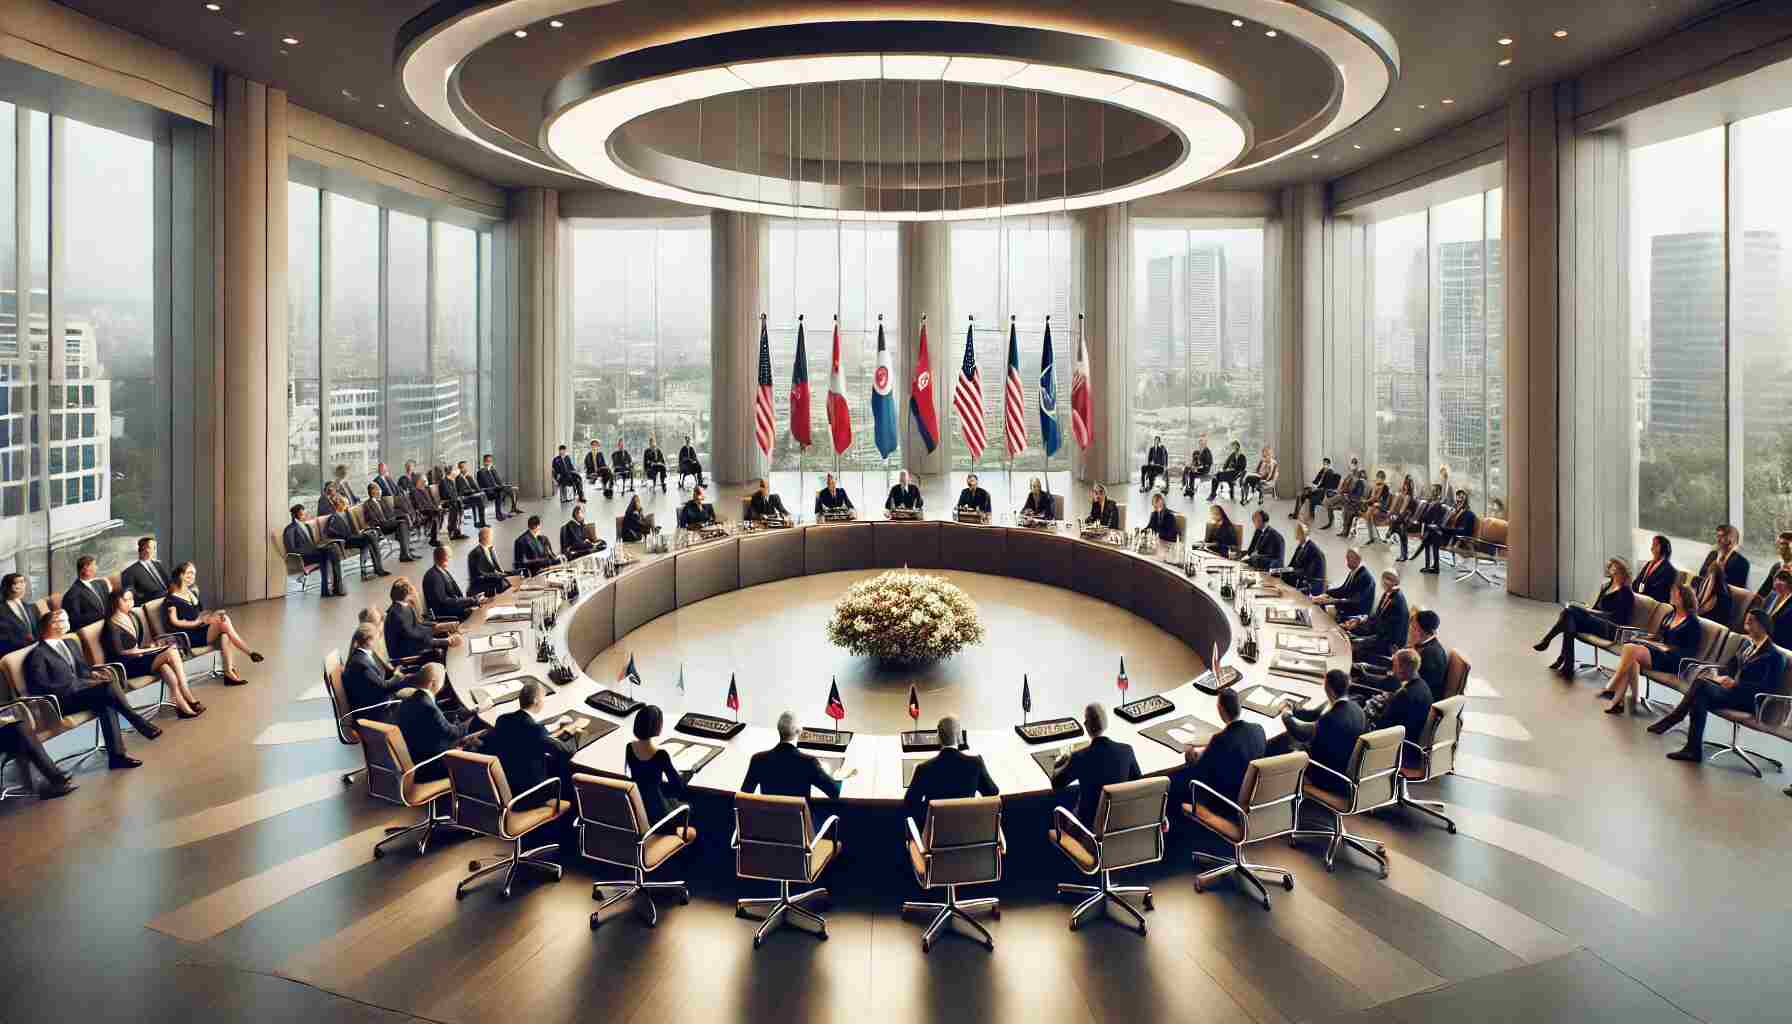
(1735,747)
(636,888)
(1106,898)
(1339,836)
(348,777)
(1246,872)
(518,857)
(1434,808)
(424,830)
(780,909)
(955,909)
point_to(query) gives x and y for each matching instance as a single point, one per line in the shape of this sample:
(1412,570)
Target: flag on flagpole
(1014,418)
(914,703)
(799,390)
(839,413)
(967,398)
(920,396)
(630,674)
(1026,694)
(1081,419)
(883,399)
(681,680)
(1122,682)
(1048,396)
(733,701)
(763,426)
(836,708)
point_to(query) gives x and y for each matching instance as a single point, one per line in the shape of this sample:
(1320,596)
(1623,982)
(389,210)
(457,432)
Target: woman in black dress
(185,611)
(634,527)
(1602,618)
(1677,641)
(651,767)
(1658,575)
(123,641)
(1221,533)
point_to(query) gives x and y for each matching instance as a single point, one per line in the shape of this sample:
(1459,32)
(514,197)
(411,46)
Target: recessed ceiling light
(556,23)
(382,106)
(1396,129)
(1448,101)
(214,8)
(407,124)
(520,34)
(1505,62)
(283,52)
(1505,40)
(1560,33)
(1355,146)
(1236,23)
(290,40)
(1270,33)
(239,33)
(351,97)
(1315,156)
(1421,106)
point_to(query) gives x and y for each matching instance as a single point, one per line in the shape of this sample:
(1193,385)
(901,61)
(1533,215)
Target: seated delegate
(575,539)
(1610,609)
(1102,763)
(1102,512)
(763,504)
(905,496)
(1328,733)
(784,770)
(973,498)
(949,775)
(1355,594)
(832,498)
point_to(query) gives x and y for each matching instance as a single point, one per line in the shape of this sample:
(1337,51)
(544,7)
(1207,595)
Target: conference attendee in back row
(383,480)
(1102,763)
(1783,546)
(328,557)
(1327,733)
(18,619)
(905,495)
(19,742)
(122,640)
(531,552)
(597,466)
(469,492)
(973,498)
(495,488)
(763,504)
(85,599)
(1725,555)
(1230,473)
(621,466)
(1102,512)
(567,475)
(653,464)
(1221,762)
(1264,552)
(1157,464)
(1458,522)
(1306,566)
(950,774)
(784,770)
(442,597)
(1200,463)
(485,574)
(688,464)
(831,498)
(340,526)
(1323,483)
(58,667)
(146,577)
(185,611)
(575,540)
(386,520)
(1754,670)
(1610,609)
(1658,575)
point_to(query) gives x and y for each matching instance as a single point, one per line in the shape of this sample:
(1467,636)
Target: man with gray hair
(949,775)
(785,770)
(1101,763)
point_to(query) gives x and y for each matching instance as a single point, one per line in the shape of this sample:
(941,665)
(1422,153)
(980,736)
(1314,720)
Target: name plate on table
(1318,646)
(1211,682)
(836,515)
(503,691)
(1269,700)
(1049,730)
(1035,523)
(614,702)
(1297,665)
(971,515)
(509,640)
(507,613)
(1145,708)
(689,756)
(903,515)
(929,739)
(1282,615)
(768,523)
(1047,760)
(1180,732)
(812,738)
(709,726)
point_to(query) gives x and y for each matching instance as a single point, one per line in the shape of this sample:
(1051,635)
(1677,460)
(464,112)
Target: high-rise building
(1186,318)
(1686,334)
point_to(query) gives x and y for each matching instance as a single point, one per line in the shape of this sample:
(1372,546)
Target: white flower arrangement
(905,616)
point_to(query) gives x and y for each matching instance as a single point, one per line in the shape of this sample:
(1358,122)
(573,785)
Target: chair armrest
(119,675)
(1762,700)
(1690,670)
(826,827)
(914,835)
(26,700)
(427,760)
(349,717)
(543,784)
(684,809)
(1420,751)
(1192,783)
(1062,816)
(180,640)
(1340,776)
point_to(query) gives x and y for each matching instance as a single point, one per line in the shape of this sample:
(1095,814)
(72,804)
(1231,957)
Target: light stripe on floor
(235,903)
(1561,856)
(1541,781)
(1507,927)
(1354,953)
(315,692)
(1477,687)
(215,821)
(305,731)
(1489,723)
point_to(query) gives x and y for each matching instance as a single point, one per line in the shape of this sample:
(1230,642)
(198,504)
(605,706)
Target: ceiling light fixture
(214,8)
(1270,33)
(556,23)
(1315,156)
(239,33)
(382,106)
(1448,101)
(520,34)
(290,40)
(1354,145)
(1396,129)
(1560,33)
(1505,62)
(1505,40)
(1236,23)
(1421,106)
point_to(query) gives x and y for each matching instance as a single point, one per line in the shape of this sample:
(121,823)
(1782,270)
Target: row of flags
(967,397)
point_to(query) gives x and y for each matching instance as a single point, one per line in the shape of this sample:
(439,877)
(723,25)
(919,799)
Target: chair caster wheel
(1384,874)
(1148,905)
(822,935)
(741,912)
(995,913)
(926,946)
(684,899)
(1452,828)
(756,941)
(1266,906)
(989,947)
(1288,883)
(1073,925)
(594,922)
(1141,930)
(1329,869)
(460,894)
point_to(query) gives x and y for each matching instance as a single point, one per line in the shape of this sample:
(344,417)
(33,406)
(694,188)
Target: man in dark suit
(1725,552)
(1778,607)
(1231,471)
(427,731)
(531,552)
(688,464)
(18,619)
(973,496)
(85,600)
(1351,491)
(1383,630)
(469,493)
(950,774)
(622,466)
(904,495)
(495,488)
(1328,735)
(442,596)
(785,770)
(1421,637)
(1200,463)
(1266,547)
(430,511)
(597,468)
(653,464)
(409,634)
(384,518)
(1221,763)
(763,504)
(529,753)
(383,480)
(340,526)
(567,475)
(1323,484)
(1157,464)
(574,541)
(1783,544)
(1409,705)
(298,540)
(146,578)
(58,668)
(1356,594)
(485,576)
(1756,669)
(18,741)
(1458,522)
(1101,763)
(696,512)
(366,680)
(1306,567)
(832,497)
(1102,512)
(326,500)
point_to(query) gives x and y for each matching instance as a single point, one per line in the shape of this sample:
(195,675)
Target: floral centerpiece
(905,617)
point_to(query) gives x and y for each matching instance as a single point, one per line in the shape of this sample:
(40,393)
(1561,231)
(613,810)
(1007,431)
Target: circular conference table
(1149,586)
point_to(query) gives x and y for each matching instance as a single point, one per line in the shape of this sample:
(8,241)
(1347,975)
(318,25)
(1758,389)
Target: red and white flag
(967,399)
(1081,418)
(839,413)
(1014,423)
(762,393)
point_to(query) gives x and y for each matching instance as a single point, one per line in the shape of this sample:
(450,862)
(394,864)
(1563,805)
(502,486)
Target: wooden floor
(231,879)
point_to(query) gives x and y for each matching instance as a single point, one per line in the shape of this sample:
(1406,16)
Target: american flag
(762,396)
(1079,390)
(1014,423)
(967,399)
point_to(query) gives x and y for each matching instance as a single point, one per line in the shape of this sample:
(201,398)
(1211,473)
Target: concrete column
(927,291)
(541,406)
(1107,291)
(249,159)
(1295,279)
(1536,122)
(741,244)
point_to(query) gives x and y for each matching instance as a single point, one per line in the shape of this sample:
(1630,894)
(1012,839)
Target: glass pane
(1496,355)
(1677,337)
(674,403)
(415,406)
(977,285)
(1402,355)
(356,391)
(304,473)
(456,352)
(1459,298)
(1760,278)
(20,540)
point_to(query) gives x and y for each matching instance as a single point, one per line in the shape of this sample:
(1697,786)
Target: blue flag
(883,399)
(1048,396)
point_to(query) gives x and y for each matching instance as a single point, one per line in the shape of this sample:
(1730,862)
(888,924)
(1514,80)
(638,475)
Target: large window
(1197,339)
(1020,268)
(819,270)
(455,344)
(1760,282)
(1402,348)
(304,473)
(640,322)
(355,400)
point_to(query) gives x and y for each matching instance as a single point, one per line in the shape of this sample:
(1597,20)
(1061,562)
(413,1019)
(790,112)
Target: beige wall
(48,35)
(364,155)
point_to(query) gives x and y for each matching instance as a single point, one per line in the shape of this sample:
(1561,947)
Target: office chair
(963,846)
(1129,833)
(613,829)
(775,841)
(1268,807)
(1370,784)
(484,804)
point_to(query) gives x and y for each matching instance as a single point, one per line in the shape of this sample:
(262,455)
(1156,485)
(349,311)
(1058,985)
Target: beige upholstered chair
(1371,783)
(1485,552)
(1057,507)
(89,636)
(1741,600)
(484,804)
(40,713)
(963,845)
(613,829)
(155,614)
(1267,807)
(346,733)
(776,841)
(1129,833)
(1455,676)
(1432,757)
(1646,614)
(393,778)
(1122,511)
(1712,637)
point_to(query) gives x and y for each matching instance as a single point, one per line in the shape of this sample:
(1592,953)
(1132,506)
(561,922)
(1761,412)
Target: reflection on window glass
(1458,302)
(1402,348)
(1677,335)
(1761,280)
(352,337)
(415,404)
(15,368)
(456,352)
(304,474)
(641,349)
(1197,340)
